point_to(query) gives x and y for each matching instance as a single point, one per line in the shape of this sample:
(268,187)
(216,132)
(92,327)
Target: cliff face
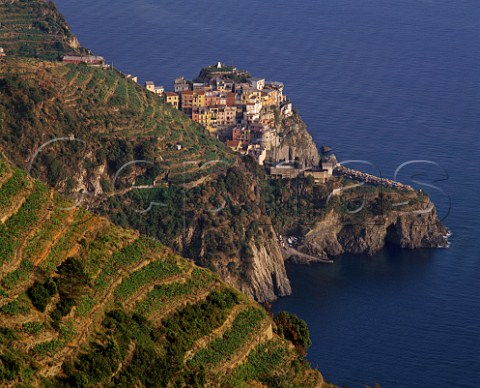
(268,275)
(294,142)
(239,242)
(336,234)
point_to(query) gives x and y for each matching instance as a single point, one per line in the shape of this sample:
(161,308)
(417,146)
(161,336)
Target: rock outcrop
(335,234)
(294,143)
(269,277)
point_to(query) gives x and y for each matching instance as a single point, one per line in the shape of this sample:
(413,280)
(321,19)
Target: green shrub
(41,293)
(294,329)
(32,327)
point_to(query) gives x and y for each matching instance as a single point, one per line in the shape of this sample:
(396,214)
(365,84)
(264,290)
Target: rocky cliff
(338,232)
(294,142)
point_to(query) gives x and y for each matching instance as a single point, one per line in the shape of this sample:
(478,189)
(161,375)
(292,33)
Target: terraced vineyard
(34,28)
(100,122)
(85,303)
(97,103)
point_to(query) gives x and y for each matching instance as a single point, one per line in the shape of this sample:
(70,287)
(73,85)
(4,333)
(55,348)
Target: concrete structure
(186,102)
(319,176)
(269,97)
(2,52)
(87,59)
(257,83)
(257,152)
(198,98)
(287,109)
(328,166)
(284,171)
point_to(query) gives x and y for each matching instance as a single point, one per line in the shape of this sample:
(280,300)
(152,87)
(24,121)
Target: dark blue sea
(383,81)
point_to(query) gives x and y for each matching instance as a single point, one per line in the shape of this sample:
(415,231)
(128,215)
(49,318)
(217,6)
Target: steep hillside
(203,200)
(105,141)
(35,28)
(84,303)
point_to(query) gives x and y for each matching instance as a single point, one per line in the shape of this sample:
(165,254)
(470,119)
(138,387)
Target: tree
(294,329)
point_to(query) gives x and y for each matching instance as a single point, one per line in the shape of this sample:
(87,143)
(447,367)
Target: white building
(134,78)
(159,90)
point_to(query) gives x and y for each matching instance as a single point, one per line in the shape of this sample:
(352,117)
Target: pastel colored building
(150,86)
(173,99)
(159,90)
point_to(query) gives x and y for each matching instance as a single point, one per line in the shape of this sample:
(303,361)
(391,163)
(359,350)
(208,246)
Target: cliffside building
(150,86)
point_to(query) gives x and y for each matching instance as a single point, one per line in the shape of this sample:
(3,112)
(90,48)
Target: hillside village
(239,109)
(242,111)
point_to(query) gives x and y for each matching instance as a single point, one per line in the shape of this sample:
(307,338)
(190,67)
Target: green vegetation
(19,306)
(33,327)
(294,329)
(67,270)
(34,29)
(17,226)
(19,275)
(41,293)
(12,189)
(85,305)
(133,336)
(222,349)
(86,101)
(153,271)
(60,249)
(272,363)
(72,282)
(165,294)
(123,258)
(46,232)
(229,72)
(47,348)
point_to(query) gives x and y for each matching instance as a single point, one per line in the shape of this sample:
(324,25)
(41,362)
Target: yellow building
(150,85)
(172,99)
(269,97)
(198,98)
